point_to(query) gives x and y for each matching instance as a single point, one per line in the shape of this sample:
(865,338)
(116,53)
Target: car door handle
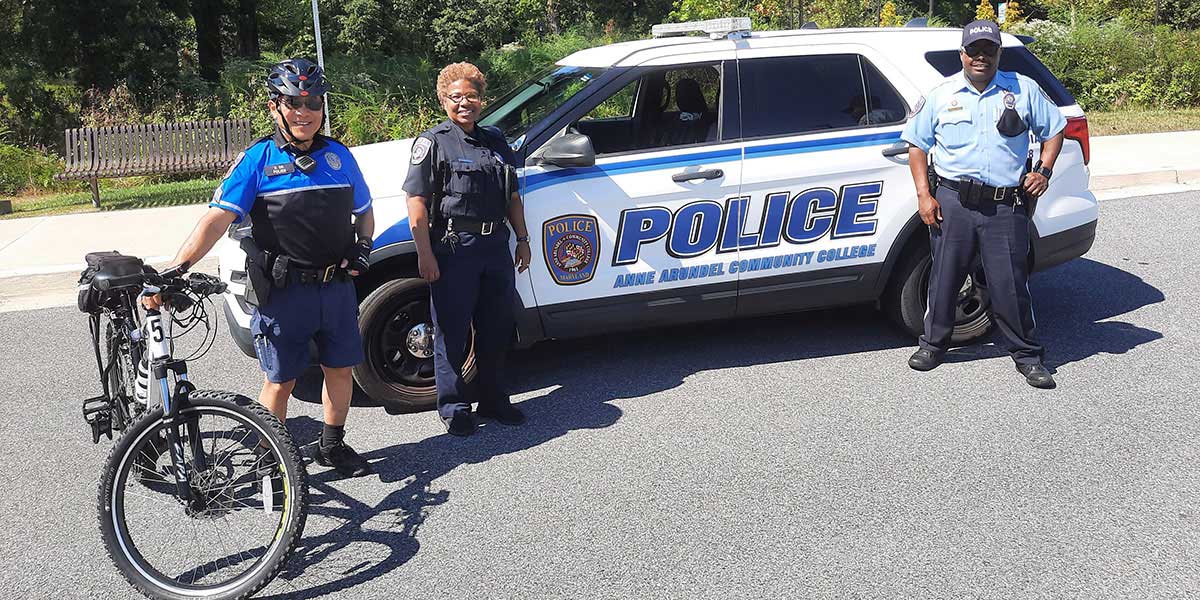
(896,150)
(685,176)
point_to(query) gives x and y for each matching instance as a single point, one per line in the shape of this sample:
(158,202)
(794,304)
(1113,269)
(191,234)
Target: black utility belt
(321,275)
(971,192)
(282,270)
(467,225)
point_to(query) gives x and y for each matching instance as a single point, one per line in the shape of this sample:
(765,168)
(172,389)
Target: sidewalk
(41,257)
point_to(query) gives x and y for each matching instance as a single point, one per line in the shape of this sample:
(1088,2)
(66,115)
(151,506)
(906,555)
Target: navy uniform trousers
(476,286)
(1000,235)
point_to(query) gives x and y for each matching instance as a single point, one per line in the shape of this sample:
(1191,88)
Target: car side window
(660,109)
(790,95)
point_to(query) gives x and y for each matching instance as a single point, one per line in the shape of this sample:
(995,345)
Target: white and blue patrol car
(690,178)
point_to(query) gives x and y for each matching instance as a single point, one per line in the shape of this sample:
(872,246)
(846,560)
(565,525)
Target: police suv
(689,178)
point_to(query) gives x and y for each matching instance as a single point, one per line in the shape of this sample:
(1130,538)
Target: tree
(1012,15)
(888,16)
(247,29)
(207,16)
(985,11)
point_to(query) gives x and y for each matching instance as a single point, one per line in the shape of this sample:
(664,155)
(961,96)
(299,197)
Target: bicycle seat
(116,272)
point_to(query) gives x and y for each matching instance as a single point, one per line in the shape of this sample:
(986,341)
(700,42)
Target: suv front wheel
(397,334)
(908,292)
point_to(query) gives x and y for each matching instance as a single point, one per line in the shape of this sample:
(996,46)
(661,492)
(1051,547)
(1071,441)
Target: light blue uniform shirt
(961,123)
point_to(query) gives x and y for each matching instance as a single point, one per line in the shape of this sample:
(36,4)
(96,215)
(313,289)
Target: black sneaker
(505,414)
(343,459)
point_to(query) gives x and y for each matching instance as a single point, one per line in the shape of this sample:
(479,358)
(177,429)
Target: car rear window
(1014,58)
(851,94)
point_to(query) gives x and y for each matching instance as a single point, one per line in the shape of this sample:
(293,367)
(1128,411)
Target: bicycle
(115,325)
(204,495)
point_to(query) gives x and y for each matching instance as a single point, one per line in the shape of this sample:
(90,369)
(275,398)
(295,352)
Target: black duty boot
(344,460)
(505,414)
(1037,376)
(461,423)
(924,360)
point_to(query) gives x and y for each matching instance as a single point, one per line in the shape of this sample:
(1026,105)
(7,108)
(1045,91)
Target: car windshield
(530,102)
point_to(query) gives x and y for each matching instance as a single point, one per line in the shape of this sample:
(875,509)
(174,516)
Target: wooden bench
(93,153)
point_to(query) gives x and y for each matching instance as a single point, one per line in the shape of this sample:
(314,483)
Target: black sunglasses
(977,50)
(314,103)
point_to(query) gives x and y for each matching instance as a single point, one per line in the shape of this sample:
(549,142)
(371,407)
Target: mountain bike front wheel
(248,505)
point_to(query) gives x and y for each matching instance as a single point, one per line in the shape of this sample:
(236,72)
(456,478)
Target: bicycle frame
(162,367)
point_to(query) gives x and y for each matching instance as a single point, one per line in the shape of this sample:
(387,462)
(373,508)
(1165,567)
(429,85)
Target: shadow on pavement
(1073,303)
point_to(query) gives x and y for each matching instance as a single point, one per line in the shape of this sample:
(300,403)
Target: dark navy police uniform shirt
(303,215)
(467,169)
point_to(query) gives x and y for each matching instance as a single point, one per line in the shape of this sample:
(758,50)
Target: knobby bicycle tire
(117,471)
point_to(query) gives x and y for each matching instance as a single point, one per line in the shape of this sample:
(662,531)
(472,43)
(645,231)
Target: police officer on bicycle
(311,228)
(461,187)
(978,123)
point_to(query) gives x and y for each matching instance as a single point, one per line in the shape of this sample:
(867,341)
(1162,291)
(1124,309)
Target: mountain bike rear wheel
(250,484)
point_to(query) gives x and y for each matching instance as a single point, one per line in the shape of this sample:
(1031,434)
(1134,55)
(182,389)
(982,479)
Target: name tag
(283,169)
(954,114)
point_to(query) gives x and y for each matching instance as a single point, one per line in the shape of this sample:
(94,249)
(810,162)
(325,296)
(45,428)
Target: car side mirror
(570,150)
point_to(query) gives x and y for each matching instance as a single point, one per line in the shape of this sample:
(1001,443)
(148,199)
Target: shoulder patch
(233,166)
(420,150)
(335,161)
(920,105)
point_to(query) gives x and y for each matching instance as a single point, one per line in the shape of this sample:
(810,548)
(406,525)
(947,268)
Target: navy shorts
(300,313)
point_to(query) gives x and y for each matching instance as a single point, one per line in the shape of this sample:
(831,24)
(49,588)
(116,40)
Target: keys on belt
(464,225)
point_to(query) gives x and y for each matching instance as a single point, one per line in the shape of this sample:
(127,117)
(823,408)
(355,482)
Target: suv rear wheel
(907,294)
(397,334)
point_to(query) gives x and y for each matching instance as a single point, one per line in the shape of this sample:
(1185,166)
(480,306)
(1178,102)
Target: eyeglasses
(975,51)
(313,103)
(458,98)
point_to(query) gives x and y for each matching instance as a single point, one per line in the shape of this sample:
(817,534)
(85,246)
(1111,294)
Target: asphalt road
(785,457)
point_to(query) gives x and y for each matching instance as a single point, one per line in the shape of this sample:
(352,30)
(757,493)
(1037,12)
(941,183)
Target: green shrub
(1118,65)
(22,169)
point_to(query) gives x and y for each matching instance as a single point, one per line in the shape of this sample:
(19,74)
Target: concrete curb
(1166,176)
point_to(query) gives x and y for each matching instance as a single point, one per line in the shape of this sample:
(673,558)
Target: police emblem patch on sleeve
(233,166)
(420,150)
(335,161)
(570,244)
(920,105)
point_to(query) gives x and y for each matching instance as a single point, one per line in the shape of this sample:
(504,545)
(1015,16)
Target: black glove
(358,257)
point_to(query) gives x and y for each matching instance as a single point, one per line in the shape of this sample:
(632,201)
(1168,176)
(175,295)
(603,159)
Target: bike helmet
(296,77)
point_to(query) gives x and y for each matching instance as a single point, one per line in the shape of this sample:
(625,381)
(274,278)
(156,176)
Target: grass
(175,193)
(1143,121)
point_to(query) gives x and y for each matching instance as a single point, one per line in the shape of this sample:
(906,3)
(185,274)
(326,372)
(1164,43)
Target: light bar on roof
(715,28)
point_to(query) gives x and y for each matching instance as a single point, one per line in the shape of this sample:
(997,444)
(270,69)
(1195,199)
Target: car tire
(397,330)
(905,299)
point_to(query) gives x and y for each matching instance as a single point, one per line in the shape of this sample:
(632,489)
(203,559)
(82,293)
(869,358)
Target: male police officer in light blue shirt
(978,123)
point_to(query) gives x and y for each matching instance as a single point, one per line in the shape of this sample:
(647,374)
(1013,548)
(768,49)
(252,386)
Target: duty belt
(321,275)
(971,192)
(467,225)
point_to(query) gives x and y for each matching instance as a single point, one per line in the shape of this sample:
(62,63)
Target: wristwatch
(522,238)
(1043,171)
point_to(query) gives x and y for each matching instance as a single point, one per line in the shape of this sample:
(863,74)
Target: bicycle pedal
(97,412)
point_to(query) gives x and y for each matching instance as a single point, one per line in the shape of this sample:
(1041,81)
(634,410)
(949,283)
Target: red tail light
(1077,130)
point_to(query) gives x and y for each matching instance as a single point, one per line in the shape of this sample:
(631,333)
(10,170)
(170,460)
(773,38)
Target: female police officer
(299,189)
(461,185)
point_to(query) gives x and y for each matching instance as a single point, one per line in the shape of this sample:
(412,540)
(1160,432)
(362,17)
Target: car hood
(384,166)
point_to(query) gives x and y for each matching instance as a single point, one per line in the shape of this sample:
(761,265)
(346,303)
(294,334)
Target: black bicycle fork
(181,430)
